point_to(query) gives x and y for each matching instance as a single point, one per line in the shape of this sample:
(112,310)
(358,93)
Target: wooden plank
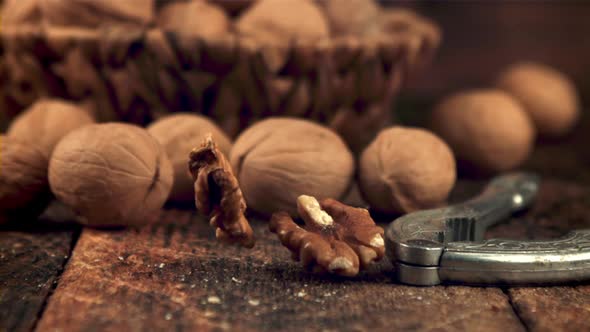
(562,206)
(32,255)
(175,276)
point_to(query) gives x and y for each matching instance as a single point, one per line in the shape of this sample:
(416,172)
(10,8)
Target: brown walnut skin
(111,174)
(179,134)
(487,130)
(24,190)
(218,194)
(547,95)
(337,238)
(93,13)
(278,159)
(351,17)
(194,18)
(275,24)
(406,169)
(46,122)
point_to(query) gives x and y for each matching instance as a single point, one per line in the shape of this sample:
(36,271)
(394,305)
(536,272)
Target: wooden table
(174,276)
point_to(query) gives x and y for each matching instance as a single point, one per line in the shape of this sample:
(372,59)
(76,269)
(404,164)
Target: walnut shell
(24,191)
(93,13)
(487,129)
(179,134)
(111,174)
(275,24)
(46,122)
(406,169)
(194,18)
(547,95)
(279,159)
(351,17)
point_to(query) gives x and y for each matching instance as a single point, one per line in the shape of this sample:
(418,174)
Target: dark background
(482,37)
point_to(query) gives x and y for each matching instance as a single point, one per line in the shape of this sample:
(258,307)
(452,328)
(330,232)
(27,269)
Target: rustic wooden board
(30,262)
(174,276)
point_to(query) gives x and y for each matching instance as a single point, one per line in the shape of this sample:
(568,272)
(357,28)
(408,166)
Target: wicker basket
(136,74)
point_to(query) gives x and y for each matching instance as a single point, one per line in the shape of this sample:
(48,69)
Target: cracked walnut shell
(218,194)
(336,238)
(111,174)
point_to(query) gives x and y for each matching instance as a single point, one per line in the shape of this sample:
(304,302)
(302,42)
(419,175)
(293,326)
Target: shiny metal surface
(446,245)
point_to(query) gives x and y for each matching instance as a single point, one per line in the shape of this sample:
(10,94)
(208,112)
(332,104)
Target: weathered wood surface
(175,276)
(30,262)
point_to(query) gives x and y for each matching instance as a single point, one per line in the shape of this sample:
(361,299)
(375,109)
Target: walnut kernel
(218,194)
(336,238)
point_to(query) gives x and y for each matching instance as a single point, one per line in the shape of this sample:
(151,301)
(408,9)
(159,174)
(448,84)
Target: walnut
(547,95)
(194,18)
(275,24)
(283,158)
(218,194)
(351,17)
(24,191)
(487,130)
(111,174)
(406,169)
(178,134)
(46,122)
(337,238)
(93,13)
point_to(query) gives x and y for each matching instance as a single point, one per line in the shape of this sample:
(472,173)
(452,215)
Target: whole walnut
(406,169)
(279,159)
(194,18)
(547,95)
(275,24)
(351,17)
(179,134)
(487,129)
(46,122)
(93,13)
(111,174)
(24,191)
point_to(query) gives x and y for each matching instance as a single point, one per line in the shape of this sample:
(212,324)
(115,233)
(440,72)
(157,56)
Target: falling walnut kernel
(337,238)
(218,194)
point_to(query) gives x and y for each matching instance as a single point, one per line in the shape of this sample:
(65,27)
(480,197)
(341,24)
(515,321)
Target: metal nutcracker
(446,245)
